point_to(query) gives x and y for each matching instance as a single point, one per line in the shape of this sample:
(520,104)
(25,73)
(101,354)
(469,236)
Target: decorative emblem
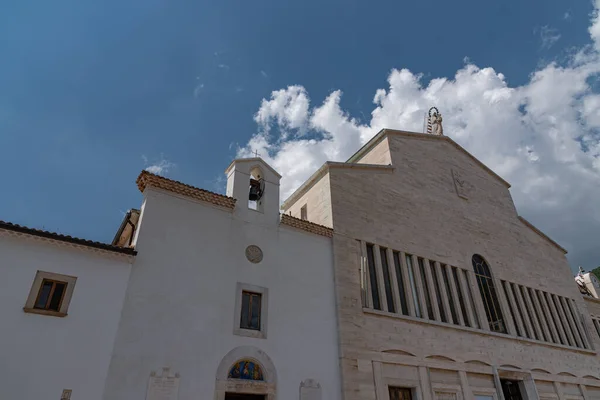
(459,184)
(254,254)
(66,394)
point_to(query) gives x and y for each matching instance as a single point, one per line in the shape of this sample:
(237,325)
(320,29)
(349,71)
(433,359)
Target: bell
(255,192)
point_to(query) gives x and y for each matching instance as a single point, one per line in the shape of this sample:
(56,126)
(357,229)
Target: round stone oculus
(254,254)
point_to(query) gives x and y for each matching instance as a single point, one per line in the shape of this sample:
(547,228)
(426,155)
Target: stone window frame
(481,391)
(254,333)
(447,388)
(40,276)
(413,385)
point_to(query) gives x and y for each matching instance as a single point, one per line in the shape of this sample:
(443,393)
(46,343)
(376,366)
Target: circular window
(254,254)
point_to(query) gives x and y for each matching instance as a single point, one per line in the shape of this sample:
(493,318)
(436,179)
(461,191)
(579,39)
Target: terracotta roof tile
(65,238)
(146,179)
(306,225)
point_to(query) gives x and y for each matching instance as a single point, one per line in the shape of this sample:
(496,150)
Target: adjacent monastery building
(404,273)
(443,291)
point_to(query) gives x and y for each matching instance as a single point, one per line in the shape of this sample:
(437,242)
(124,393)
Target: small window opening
(51,295)
(304,212)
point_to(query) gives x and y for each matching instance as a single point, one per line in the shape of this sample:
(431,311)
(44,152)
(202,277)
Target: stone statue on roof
(434,125)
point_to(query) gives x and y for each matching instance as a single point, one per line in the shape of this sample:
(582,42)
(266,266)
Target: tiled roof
(148,179)
(65,238)
(306,225)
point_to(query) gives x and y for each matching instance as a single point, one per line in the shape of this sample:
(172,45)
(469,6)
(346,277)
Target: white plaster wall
(42,355)
(179,309)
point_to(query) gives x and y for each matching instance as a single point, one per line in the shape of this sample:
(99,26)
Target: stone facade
(440,205)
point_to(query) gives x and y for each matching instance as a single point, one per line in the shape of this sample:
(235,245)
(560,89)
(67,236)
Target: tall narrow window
(398,266)
(426,289)
(547,316)
(506,286)
(304,212)
(550,303)
(471,299)
(596,325)
(413,286)
(438,293)
(387,280)
(461,297)
(450,297)
(528,312)
(250,317)
(373,277)
(488,294)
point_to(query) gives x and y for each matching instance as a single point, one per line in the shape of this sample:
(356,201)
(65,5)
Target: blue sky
(92,92)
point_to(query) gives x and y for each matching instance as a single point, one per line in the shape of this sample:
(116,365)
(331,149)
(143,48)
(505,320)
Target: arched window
(488,294)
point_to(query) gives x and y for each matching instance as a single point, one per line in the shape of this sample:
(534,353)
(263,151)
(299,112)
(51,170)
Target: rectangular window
(51,295)
(438,292)
(413,286)
(400,282)
(387,280)
(373,277)
(251,306)
(397,393)
(461,299)
(304,212)
(449,292)
(426,288)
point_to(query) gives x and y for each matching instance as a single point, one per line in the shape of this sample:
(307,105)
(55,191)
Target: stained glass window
(246,369)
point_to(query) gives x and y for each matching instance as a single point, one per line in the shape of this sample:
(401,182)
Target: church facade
(443,291)
(403,273)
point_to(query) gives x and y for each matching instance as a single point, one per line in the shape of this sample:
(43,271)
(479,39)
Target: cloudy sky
(93,92)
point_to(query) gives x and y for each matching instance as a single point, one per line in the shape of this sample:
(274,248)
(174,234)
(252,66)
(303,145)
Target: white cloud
(567,15)
(543,137)
(264,74)
(223,66)
(595,25)
(198,89)
(549,36)
(160,167)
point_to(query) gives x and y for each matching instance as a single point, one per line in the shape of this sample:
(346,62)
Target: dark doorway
(511,389)
(241,396)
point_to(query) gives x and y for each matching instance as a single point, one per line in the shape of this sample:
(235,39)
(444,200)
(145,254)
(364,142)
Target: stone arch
(477,362)
(541,371)
(567,374)
(440,358)
(399,352)
(266,386)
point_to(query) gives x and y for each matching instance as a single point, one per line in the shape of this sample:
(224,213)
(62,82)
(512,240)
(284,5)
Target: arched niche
(248,370)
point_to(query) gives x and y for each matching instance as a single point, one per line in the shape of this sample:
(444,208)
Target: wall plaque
(163,386)
(310,389)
